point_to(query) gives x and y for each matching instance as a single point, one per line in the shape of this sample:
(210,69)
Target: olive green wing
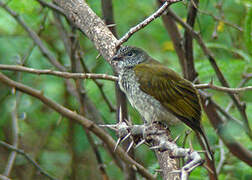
(176,94)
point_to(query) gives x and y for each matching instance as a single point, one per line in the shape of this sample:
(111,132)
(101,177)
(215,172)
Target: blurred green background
(59,145)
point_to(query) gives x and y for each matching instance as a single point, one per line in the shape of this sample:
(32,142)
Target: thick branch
(79,13)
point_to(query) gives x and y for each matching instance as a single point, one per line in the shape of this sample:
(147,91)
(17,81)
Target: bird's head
(128,57)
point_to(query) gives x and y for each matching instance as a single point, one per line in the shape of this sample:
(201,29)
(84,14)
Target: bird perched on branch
(157,92)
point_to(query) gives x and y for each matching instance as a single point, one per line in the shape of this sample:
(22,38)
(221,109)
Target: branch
(82,16)
(52,6)
(2,177)
(248,75)
(34,37)
(15,132)
(121,100)
(175,36)
(58,73)
(224,89)
(68,75)
(188,42)
(159,138)
(234,147)
(147,21)
(106,138)
(240,106)
(13,148)
(220,19)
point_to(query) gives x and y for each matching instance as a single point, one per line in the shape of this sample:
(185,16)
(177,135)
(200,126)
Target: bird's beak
(116,58)
(114,62)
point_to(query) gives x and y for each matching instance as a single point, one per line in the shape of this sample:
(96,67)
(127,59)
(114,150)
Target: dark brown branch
(108,15)
(188,41)
(121,101)
(107,139)
(100,87)
(52,6)
(176,38)
(234,147)
(75,63)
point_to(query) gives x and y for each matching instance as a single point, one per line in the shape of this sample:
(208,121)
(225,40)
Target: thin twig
(222,157)
(2,177)
(34,37)
(106,77)
(245,79)
(20,151)
(58,73)
(248,75)
(52,6)
(240,106)
(220,19)
(227,115)
(147,21)
(100,87)
(224,89)
(75,61)
(14,121)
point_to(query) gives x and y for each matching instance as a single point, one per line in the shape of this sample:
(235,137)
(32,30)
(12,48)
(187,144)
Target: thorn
(130,146)
(155,147)
(201,151)
(125,137)
(190,144)
(175,171)
(208,168)
(155,175)
(98,56)
(140,143)
(207,102)
(117,143)
(175,140)
(13,91)
(120,114)
(188,132)
(111,25)
(111,126)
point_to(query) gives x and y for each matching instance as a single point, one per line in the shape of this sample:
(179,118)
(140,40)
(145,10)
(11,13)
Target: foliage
(62,148)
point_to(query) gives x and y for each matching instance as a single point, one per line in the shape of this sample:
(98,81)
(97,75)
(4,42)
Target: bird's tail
(202,137)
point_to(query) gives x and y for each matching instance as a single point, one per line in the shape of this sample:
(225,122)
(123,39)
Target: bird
(157,92)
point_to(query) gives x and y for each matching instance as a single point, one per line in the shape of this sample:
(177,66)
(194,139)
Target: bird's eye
(130,53)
